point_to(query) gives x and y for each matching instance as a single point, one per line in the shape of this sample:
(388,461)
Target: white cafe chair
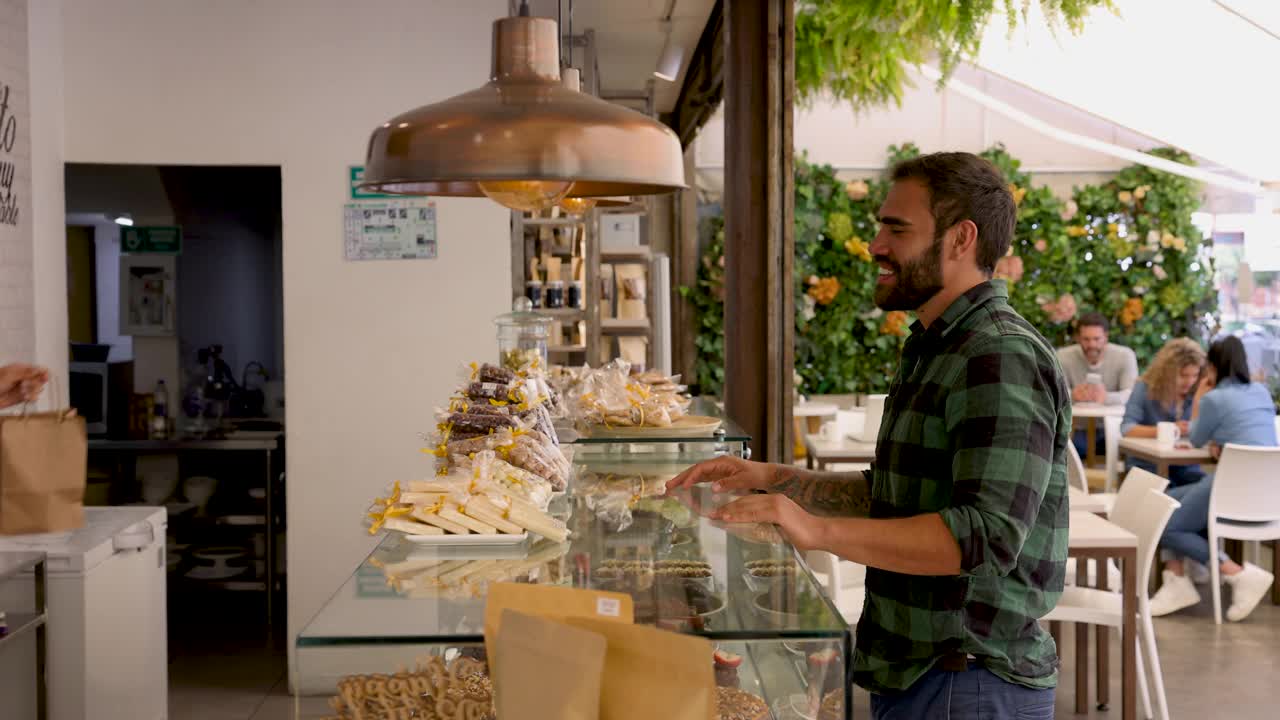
(1075,470)
(1122,509)
(1111,437)
(1147,520)
(1243,505)
(843,581)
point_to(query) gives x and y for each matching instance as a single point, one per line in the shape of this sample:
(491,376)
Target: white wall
(17,293)
(369,348)
(50,235)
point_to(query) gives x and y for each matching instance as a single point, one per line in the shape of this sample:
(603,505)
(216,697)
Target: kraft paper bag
(549,670)
(553,603)
(651,673)
(43,459)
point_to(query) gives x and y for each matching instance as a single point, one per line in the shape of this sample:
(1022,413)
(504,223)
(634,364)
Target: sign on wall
(403,229)
(387,227)
(17,294)
(151,239)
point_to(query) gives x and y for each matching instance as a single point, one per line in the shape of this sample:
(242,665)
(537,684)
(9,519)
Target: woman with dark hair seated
(1227,408)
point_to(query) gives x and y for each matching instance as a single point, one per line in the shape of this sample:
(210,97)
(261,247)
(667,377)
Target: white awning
(1196,74)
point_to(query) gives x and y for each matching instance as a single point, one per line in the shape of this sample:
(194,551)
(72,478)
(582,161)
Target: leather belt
(955,662)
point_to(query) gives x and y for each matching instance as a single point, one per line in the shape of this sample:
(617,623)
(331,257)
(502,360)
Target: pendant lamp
(524,139)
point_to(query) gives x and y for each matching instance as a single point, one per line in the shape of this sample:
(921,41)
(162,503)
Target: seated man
(1097,371)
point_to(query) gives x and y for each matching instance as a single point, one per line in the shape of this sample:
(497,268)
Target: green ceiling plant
(860,51)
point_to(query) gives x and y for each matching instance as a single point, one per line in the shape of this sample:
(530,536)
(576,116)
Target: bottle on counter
(160,412)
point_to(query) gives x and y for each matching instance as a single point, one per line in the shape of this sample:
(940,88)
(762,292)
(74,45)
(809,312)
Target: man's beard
(914,283)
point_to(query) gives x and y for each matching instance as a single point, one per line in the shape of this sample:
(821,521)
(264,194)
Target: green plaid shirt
(975,428)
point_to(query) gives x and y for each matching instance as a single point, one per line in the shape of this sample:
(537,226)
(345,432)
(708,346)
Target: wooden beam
(684,273)
(759,222)
(703,83)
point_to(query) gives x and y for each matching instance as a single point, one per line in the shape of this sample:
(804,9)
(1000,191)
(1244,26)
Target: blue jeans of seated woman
(1185,535)
(976,694)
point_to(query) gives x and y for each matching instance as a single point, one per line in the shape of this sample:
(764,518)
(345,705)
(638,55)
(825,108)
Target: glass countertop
(685,572)
(732,432)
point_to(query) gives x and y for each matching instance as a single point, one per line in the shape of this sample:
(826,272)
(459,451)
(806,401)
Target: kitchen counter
(233,441)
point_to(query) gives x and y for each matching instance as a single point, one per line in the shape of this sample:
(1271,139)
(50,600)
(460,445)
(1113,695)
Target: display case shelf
(406,600)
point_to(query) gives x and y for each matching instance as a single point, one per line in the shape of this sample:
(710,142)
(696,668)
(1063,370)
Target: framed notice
(390,230)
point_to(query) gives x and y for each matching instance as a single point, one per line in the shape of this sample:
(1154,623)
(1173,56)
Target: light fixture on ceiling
(124,219)
(670,59)
(524,139)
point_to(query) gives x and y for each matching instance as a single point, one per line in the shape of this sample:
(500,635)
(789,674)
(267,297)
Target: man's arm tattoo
(825,493)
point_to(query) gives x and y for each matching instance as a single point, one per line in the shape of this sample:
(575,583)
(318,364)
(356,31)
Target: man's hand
(726,473)
(21,383)
(1184,428)
(1087,392)
(1215,450)
(804,531)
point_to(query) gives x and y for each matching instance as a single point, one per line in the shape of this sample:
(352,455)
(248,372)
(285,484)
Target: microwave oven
(100,394)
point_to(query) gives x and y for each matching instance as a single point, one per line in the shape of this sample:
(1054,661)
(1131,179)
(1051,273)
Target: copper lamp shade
(524,131)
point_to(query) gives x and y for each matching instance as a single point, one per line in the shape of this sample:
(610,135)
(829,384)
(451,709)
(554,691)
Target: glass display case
(728,439)
(742,587)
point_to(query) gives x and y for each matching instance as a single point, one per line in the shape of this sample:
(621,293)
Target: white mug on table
(1167,434)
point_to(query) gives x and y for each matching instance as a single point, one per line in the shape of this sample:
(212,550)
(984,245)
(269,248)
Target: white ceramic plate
(687,426)
(468,540)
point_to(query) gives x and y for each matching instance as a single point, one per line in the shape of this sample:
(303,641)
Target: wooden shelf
(560,312)
(553,222)
(625,255)
(624,327)
(566,349)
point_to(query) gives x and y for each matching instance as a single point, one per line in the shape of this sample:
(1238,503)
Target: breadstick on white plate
(410,527)
(422,514)
(449,513)
(421,498)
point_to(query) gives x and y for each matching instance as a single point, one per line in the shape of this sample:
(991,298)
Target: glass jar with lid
(522,335)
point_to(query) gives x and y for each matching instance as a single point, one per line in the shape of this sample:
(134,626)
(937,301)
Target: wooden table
(1093,538)
(808,418)
(822,452)
(1162,457)
(1091,413)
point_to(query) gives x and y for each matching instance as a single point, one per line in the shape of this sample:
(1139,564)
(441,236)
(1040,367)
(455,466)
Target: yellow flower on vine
(857,248)
(1076,231)
(1018,193)
(1125,197)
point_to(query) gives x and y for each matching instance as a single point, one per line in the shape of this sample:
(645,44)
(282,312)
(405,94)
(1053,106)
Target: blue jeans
(1186,533)
(977,694)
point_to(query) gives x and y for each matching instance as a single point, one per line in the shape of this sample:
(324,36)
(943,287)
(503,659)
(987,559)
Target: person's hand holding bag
(20,382)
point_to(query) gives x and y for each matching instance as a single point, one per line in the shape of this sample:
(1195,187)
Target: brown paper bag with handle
(553,603)
(549,670)
(43,459)
(651,673)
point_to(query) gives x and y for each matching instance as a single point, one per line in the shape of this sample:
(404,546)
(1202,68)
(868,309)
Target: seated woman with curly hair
(1165,393)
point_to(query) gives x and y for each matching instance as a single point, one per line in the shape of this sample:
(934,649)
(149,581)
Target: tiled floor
(1209,670)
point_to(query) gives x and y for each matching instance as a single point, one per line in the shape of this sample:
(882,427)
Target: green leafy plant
(860,50)
(707,297)
(1126,248)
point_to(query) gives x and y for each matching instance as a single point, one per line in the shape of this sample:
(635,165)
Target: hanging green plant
(860,51)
